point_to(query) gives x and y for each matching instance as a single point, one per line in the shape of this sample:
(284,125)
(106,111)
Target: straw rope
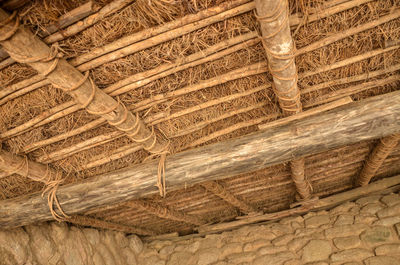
(219,190)
(376,158)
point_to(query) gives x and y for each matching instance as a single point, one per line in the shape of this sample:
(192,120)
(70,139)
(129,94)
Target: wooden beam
(325,203)
(81,88)
(371,118)
(280,50)
(219,190)
(273,17)
(14,164)
(376,158)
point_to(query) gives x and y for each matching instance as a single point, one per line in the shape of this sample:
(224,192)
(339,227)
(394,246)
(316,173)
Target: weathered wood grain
(372,118)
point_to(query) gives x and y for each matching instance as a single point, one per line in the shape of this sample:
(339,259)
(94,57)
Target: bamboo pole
(376,159)
(218,190)
(348,61)
(220,12)
(104,12)
(146,39)
(129,149)
(152,120)
(84,91)
(329,10)
(351,79)
(81,146)
(118,46)
(351,90)
(349,32)
(80,12)
(95,123)
(316,45)
(138,80)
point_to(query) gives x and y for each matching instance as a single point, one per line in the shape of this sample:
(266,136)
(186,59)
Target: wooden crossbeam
(219,190)
(371,118)
(378,155)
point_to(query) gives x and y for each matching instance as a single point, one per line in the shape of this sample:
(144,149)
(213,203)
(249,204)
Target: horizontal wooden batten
(372,118)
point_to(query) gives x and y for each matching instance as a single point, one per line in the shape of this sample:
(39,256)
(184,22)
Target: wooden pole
(371,118)
(279,46)
(278,43)
(14,164)
(376,158)
(84,92)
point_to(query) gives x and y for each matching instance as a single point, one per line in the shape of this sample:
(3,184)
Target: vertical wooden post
(273,16)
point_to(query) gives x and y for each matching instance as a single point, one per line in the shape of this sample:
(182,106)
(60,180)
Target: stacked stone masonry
(364,232)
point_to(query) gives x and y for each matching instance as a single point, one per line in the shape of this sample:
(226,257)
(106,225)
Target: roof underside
(83,155)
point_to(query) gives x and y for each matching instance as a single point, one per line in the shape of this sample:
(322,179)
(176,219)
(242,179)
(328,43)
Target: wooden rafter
(359,121)
(279,46)
(219,190)
(378,155)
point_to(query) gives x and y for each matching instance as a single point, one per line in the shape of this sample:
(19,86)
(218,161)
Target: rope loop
(13,30)
(107,111)
(92,95)
(76,86)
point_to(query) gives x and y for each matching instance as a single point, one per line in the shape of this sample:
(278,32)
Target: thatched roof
(228,96)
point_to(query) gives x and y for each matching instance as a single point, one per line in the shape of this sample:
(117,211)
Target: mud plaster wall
(58,243)
(362,232)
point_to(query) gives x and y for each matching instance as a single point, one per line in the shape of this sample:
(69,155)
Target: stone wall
(362,232)
(58,243)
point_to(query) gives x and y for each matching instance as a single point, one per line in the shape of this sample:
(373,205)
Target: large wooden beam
(371,118)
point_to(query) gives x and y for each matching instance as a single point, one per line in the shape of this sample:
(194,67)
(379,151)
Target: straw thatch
(224,96)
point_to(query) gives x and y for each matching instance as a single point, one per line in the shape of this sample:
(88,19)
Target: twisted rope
(13,30)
